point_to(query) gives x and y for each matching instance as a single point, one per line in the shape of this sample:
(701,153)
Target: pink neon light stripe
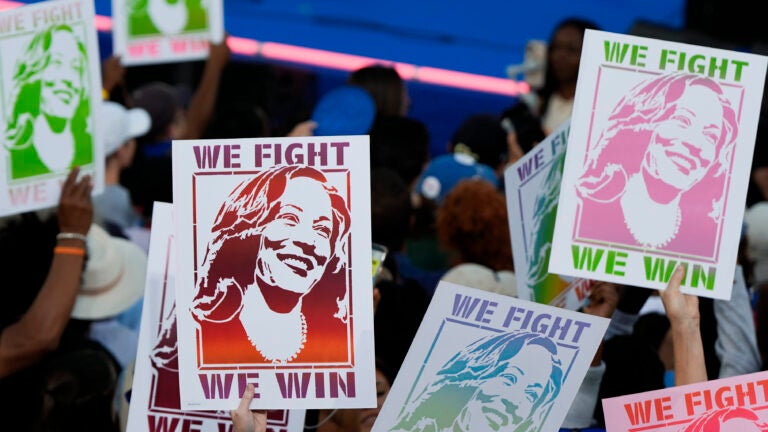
(348,62)
(9,5)
(103,23)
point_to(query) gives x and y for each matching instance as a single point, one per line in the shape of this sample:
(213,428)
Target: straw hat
(480,277)
(114,276)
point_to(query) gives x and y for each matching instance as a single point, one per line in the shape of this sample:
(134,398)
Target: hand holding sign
(245,419)
(683,312)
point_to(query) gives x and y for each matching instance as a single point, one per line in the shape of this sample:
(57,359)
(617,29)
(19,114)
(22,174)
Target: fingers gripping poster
(165,31)
(154,395)
(50,92)
(655,173)
(274,271)
(483,361)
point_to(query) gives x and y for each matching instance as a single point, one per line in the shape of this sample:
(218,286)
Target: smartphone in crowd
(379,254)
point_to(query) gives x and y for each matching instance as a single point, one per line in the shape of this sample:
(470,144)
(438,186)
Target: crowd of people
(69,326)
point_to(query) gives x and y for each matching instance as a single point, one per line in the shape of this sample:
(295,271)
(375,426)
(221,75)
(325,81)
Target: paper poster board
(485,361)
(532,187)
(50,94)
(162,31)
(154,404)
(730,404)
(655,174)
(275,279)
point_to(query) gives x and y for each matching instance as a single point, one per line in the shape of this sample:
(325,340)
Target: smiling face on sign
(296,245)
(505,400)
(685,145)
(62,78)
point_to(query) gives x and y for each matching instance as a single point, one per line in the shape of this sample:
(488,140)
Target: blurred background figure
(472,226)
(113,208)
(358,420)
(150,178)
(554,102)
(482,137)
(523,130)
(385,85)
(424,259)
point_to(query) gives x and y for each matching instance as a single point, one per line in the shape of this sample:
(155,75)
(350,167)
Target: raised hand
(246,420)
(75,209)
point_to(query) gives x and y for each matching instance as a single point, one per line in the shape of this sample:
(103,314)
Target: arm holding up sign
(204,100)
(38,330)
(683,312)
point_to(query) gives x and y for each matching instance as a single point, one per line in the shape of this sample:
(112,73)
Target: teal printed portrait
(166,17)
(501,382)
(47,123)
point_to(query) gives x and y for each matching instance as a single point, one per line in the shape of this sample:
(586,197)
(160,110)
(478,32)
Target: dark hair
(385,86)
(527,127)
(390,209)
(400,144)
(28,243)
(161,101)
(651,328)
(482,137)
(551,83)
(80,385)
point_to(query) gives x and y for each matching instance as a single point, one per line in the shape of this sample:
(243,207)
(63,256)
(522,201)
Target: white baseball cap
(120,125)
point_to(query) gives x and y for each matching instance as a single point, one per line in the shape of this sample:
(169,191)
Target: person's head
(80,385)
(482,137)
(661,128)
(472,222)
(50,77)
(120,128)
(391,210)
(400,144)
(564,52)
(506,391)
(164,104)
(385,85)
(358,419)
(282,228)
(731,419)
(523,128)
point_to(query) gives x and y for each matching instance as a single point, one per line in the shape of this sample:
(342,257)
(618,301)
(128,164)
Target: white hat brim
(125,293)
(139,122)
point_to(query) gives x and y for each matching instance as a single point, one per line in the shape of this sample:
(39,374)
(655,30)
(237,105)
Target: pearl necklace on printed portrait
(652,224)
(278,337)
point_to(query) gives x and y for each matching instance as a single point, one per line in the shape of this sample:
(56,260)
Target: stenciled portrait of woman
(47,124)
(657,176)
(273,286)
(729,419)
(169,17)
(505,381)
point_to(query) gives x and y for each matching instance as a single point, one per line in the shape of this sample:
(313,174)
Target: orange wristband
(65,250)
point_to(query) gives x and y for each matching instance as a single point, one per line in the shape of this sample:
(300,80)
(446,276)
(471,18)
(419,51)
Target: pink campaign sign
(738,404)
(653,176)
